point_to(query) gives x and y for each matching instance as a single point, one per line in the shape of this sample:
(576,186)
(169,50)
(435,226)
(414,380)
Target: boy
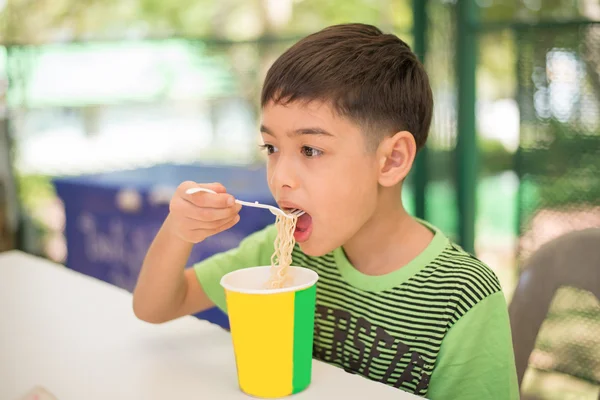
(344,112)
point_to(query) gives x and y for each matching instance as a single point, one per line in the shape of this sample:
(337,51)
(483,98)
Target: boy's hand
(194,217)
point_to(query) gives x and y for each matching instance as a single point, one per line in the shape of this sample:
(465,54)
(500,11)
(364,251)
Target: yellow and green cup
(272,330)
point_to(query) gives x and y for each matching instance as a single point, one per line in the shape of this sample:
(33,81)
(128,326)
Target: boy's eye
(269,148)
(311,151)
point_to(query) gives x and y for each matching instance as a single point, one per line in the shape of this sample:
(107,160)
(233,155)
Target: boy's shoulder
(452,263)
(456,261)
(459,277)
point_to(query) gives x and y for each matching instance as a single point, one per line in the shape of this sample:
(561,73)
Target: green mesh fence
(558,163)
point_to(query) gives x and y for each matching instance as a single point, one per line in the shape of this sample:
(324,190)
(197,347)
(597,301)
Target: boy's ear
(396,155)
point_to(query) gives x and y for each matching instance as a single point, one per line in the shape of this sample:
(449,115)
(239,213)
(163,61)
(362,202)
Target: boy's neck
(389,240)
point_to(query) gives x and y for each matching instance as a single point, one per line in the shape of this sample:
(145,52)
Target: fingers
(223,225)
(186,232)
(210,200)
(200,215)
(210,215)
(203,199)
(216,187)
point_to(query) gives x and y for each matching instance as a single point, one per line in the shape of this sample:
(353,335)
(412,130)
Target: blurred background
(106,105)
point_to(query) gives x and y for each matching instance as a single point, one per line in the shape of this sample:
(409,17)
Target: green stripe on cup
(304,320)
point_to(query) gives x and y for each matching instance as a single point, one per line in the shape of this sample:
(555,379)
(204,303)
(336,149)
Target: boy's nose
(283,175)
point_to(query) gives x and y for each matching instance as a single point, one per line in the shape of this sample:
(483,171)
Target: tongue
(303,222)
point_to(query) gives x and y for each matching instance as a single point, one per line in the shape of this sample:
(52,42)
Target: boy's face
(318,162)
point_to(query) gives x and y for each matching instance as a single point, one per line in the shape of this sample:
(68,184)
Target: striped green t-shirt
(437,327)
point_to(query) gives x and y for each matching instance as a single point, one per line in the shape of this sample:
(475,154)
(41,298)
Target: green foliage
(529,11)
(564,163)
(494,157)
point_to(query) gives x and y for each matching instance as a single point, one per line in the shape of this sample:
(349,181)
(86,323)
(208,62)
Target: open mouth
(303,225)
(304,222)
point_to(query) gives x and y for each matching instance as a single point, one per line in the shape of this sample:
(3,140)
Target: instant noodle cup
(271,330)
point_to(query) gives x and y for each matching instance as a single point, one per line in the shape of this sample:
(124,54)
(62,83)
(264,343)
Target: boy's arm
(163,292)
(476,359)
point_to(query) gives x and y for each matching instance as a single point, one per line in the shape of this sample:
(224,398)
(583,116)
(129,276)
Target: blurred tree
(35,21)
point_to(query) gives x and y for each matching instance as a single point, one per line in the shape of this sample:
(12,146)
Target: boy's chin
(314,249)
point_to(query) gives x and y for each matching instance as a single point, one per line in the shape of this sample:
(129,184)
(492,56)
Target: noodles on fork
(282,256)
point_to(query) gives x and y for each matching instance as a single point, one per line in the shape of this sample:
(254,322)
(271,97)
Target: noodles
(282,256)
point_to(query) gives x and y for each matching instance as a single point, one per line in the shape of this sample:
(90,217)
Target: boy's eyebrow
(310,131)
(300,131)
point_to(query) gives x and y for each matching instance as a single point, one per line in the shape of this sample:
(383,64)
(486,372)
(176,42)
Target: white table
(78,337)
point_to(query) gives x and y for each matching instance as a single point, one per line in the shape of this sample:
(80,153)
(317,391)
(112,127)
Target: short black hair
(372,78)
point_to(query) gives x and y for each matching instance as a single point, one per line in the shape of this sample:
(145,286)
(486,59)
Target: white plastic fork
(276,211)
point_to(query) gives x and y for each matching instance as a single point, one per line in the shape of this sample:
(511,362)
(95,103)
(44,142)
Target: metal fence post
(421,162)
(466,147)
